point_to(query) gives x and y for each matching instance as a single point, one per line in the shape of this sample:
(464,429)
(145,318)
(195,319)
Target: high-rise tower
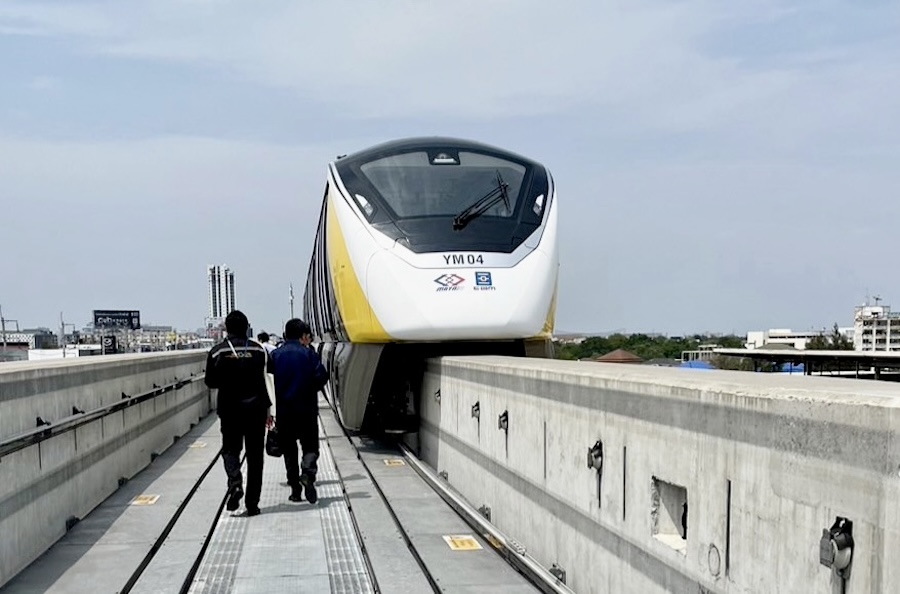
(220,287)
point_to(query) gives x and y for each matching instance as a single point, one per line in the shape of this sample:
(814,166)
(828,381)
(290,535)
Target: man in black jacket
(237,367)
(299,375)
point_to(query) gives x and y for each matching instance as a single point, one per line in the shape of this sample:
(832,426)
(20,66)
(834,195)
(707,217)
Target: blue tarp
(791,368)
(697,365)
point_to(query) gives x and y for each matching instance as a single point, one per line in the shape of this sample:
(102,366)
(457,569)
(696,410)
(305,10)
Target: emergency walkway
(378,526)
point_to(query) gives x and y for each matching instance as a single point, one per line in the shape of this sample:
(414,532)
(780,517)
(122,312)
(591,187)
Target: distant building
(37,338)
(220,289)
(877,328)
(797,339)
(13,351)
(70,351)
(569,338)
(704,352)
(618,356)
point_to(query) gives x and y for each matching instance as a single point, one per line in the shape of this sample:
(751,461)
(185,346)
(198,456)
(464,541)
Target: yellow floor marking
(394,462)
(462,542)
(145,500)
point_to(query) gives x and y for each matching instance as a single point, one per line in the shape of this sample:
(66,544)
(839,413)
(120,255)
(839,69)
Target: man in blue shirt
(299,375)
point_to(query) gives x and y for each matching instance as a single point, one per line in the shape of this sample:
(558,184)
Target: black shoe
(296,493)
(252,510)
(234,499)
(310,484)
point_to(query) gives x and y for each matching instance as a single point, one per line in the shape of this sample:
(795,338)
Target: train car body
(428,247)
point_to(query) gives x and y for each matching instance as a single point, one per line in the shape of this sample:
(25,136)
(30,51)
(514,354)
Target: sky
(721,166)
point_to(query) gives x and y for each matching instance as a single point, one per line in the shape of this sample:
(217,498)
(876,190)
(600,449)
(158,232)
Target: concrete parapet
(763,462)
(47,485)
(49,389)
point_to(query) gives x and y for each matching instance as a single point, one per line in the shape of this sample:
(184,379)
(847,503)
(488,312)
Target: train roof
(430,142)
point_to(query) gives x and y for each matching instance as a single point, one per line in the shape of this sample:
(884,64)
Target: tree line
(643,345)
(830,342)
(663,347)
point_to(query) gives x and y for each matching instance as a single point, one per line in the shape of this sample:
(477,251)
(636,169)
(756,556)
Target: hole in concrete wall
(728,530)
(668,512)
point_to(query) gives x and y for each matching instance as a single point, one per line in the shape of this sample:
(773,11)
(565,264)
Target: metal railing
(46,430)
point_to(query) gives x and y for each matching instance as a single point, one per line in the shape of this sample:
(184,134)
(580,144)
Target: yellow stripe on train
(360,321)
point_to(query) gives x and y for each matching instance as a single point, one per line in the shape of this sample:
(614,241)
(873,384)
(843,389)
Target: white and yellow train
(428,247)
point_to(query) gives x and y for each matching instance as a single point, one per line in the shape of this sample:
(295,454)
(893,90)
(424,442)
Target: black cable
(189,579)
(195,566)
(136,575)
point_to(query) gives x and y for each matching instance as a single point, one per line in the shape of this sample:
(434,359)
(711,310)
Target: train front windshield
(446,196)
(418,184)
(437,184)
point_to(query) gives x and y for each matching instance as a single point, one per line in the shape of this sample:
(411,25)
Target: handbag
(272,447)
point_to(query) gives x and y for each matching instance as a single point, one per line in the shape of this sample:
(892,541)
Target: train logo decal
(484,282)
(449,282)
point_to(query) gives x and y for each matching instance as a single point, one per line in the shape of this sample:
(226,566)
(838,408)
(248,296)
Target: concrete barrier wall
(49,389)
(60,479)
(766,463)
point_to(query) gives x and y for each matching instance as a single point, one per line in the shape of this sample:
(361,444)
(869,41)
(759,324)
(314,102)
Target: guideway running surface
(290,547)
(299,547)
(413,542)
(100,553)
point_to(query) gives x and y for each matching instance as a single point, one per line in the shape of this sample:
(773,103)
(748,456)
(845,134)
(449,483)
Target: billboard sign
(109,344)
(114,318)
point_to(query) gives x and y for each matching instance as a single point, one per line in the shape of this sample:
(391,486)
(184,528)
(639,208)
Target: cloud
(470,58)
(43,83)
(87,20)
(625,67)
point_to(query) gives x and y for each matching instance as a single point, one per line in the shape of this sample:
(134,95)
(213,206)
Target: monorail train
(427,247)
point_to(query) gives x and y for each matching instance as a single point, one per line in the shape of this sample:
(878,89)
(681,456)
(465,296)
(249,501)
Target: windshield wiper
(483,204)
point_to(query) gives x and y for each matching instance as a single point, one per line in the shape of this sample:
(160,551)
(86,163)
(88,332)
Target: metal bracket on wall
(558,572)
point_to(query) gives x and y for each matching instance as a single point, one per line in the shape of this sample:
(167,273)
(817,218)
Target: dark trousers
(305,429)
(244,429)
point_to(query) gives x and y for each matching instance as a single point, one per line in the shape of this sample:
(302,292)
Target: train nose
(459,304)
